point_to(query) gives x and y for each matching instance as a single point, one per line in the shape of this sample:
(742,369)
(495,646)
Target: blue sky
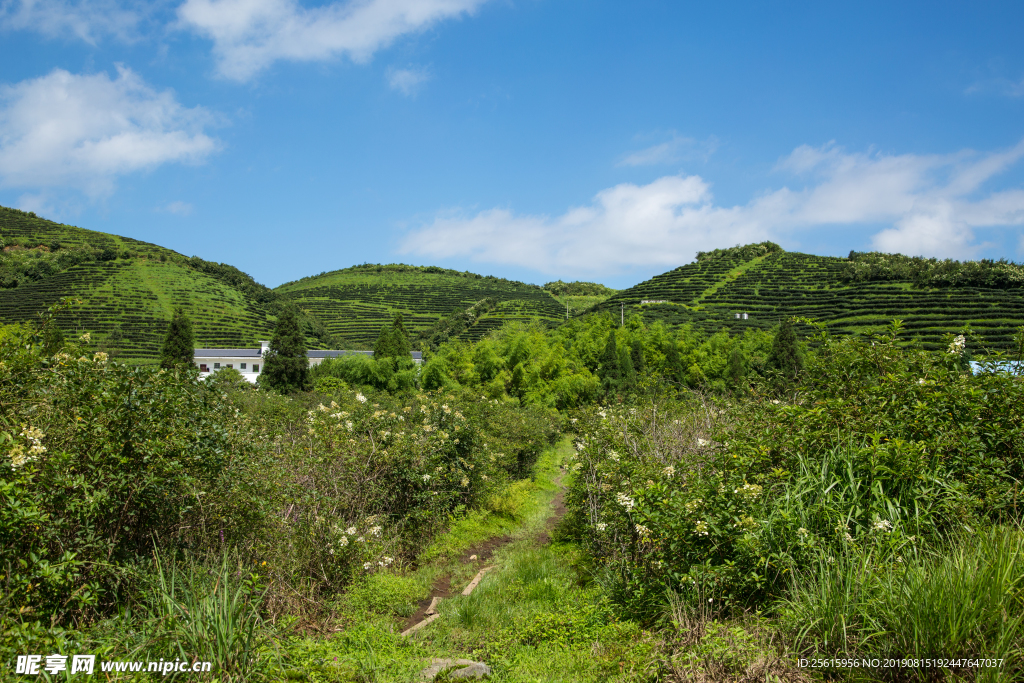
(530,139)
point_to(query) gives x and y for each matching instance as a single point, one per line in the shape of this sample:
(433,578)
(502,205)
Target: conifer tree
(785,354)
(400,338)
(737,367)
(636,354)
(384,346)
(179,343)
(393,342)
(626,370)
(673,362)
(286,367)
(610,371)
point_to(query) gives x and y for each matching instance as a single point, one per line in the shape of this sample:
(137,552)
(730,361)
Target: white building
(249,362)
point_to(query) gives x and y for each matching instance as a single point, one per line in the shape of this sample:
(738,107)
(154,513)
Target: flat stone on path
(470,669)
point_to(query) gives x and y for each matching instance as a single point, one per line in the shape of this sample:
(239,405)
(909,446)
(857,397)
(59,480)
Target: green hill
(859,294)
(577,297)
(355,302)
(128,288)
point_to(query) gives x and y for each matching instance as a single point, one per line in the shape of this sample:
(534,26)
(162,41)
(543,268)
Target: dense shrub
(101,460)
(882,449)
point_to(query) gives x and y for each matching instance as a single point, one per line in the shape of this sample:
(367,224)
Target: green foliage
(746,252)
(207,613)
(102,459)
(930,272)
(610,370)
(882,449)
(785,357)
(965,601)
(393,342)
(559,288)
(179,342)
(394,374)
(285,365)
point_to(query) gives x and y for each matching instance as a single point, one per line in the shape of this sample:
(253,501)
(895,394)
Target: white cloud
(672,150)
(1000,85)
(82,131)
(407,81)
(178,208)
(85,20)
(931,204)
(249,35)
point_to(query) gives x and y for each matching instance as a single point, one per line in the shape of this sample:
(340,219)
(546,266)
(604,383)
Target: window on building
(230,365)
(255,367)
(241,366)
(216,366)
(202,367)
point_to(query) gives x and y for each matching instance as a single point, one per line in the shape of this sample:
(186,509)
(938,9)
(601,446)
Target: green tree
(179,343)
(285,366)
(53,338)
(636,355)
(785,357)
(736,370)
(393,342)
(610,370)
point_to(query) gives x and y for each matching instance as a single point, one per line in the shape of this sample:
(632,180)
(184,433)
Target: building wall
(235,362)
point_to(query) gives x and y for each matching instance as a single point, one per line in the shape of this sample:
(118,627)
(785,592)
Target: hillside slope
(769,284)
(128,288)
(356,302)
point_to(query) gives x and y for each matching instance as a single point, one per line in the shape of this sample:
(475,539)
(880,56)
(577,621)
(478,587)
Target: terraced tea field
(19,225)
(355,302)
(136,298)
(710,292)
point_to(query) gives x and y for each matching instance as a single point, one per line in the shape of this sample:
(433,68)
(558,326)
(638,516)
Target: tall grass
(963,601)
(209,613)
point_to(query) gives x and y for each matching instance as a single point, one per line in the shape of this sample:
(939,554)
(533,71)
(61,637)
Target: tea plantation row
(709,293)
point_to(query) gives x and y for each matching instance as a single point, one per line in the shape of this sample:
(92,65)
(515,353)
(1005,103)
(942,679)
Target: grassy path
(532,618)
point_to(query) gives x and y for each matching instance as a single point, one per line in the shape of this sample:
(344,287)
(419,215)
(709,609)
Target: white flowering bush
(734,497)
(97,460)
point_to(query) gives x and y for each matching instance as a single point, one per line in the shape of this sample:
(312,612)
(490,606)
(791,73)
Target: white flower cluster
(669,471)
(360,398)
(956,347)
(625,501)
(34,436)
(701,528)
(613,455)
(750,491)
(600,526)
(882,525)
(642,530)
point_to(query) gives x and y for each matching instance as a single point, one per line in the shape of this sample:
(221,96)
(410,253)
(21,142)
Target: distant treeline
(405,268)
(559,288)
(931,272)
(745,252)
(230,275)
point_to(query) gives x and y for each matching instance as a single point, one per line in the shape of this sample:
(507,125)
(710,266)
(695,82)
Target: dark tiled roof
(227,353)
